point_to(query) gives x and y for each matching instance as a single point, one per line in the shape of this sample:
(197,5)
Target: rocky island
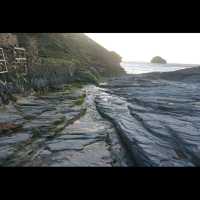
(158,60)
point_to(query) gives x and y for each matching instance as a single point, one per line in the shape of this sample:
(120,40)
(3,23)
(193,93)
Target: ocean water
(142,67)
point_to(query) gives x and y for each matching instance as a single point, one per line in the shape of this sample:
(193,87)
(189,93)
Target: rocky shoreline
(157,117)
(132,120)
(60,128)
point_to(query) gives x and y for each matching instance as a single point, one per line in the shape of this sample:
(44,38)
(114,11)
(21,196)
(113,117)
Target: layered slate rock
(61,128)
(26,124)
(157,119)
(82,143)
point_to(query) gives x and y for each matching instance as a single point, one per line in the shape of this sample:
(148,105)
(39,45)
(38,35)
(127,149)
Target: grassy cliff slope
(55,59)
(71,49)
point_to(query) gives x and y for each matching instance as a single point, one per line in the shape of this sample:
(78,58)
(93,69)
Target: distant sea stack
(159,60)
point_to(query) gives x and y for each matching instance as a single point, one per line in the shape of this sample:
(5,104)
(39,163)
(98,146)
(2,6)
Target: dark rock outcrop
(158,60)
(187,75)
(157,119)
(55,130)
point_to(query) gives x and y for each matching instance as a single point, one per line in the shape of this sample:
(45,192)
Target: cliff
(70,49)
(55,59)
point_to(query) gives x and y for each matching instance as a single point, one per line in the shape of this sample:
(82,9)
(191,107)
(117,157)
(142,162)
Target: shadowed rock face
(158,120)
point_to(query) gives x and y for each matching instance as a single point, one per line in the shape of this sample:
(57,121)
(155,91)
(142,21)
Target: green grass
(64,49)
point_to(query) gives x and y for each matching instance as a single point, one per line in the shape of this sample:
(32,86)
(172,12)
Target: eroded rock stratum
(157,119)
(143,120)
(60,128)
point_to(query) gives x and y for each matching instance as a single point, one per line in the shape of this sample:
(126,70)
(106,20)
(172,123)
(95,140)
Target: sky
(142,47)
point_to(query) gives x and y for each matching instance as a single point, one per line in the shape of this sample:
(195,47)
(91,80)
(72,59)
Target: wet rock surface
(135,120)
(61,128)
(157,119)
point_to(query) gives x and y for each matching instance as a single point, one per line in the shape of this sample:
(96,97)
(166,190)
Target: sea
(144,67)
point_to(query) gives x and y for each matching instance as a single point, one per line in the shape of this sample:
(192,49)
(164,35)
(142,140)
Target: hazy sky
(174,47)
